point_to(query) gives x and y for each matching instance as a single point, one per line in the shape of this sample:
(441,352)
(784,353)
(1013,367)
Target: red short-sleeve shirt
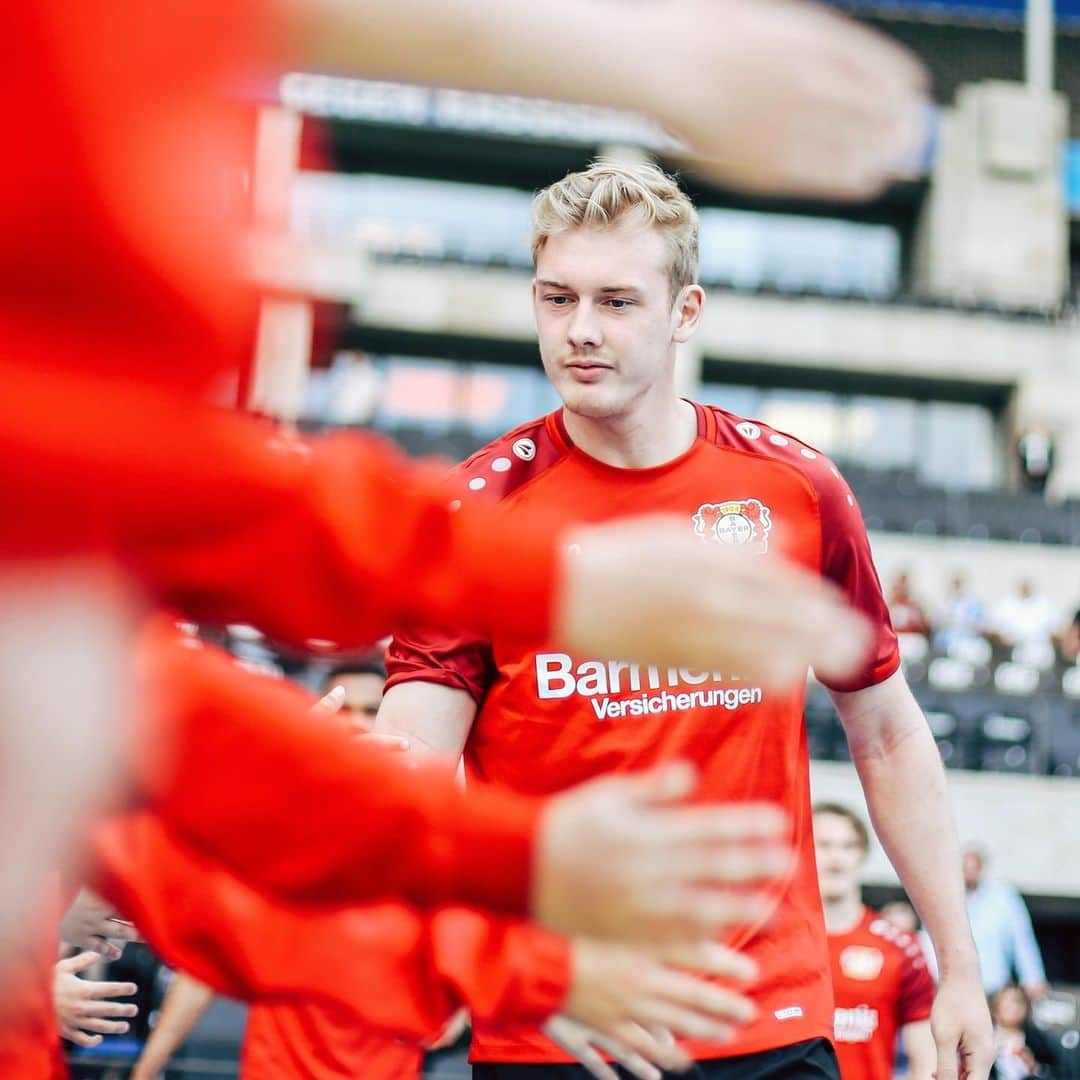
(881,983)
(548,720)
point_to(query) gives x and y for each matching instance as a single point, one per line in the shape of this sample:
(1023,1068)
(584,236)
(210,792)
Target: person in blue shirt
(1001,926)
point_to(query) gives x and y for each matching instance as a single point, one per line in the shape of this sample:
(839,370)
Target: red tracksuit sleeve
(338,538)
(390,966)
(238,767)
(507,972)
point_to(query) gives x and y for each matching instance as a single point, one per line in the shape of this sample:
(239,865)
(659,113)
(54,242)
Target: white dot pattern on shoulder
(500,464)
(455,505)
(778,440)
(748,430)
(851,500)
(808,454)
(477,483)
(835,471)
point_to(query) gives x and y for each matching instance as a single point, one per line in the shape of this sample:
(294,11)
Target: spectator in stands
(1001,926)
(362,684)
(1035,454)
(962,616)
(907,614)
(1070,640)
(1022,1049)
(1024,618)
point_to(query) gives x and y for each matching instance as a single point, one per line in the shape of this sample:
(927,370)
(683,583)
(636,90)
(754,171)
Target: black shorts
(814,1059)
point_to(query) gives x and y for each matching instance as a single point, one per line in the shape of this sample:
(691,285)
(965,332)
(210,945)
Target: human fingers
(677,912)
(79,1038)
(104,1027)
(106,1010)
(631,1041)
(331,702)
(634,1062)
(381,739)
(572,1037)
(730,823)
(121,929)
(708,958)
(110,989)
(671,991)
(82,961)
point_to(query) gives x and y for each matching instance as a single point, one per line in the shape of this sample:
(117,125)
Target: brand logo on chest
(736,521)
(862,962)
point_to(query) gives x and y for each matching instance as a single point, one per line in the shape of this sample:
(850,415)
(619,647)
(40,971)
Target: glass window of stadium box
(422,400)
(439,219)
(941,444)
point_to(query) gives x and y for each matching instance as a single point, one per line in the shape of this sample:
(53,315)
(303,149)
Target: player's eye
(618,303)
(557,300)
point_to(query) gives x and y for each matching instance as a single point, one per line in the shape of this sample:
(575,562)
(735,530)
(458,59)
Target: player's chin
(594,402)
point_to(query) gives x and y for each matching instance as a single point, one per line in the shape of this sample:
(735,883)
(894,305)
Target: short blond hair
(608,194)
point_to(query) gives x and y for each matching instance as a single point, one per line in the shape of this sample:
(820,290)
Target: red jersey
(881,983)
(548,720)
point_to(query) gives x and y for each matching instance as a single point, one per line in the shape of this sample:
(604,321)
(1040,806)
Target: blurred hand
(586,1044)
(783,97)
(619,858)
(647,590)
(82,1008)
(635,1000)
(92,923)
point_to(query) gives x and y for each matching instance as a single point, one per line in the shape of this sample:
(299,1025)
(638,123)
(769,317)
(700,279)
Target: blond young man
(615,251)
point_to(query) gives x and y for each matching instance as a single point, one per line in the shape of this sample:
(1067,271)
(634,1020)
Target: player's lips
(587,371)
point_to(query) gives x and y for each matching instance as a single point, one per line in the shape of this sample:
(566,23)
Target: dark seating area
(895,500)
(983,730)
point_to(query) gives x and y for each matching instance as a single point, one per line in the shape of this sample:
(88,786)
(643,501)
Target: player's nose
(584,331)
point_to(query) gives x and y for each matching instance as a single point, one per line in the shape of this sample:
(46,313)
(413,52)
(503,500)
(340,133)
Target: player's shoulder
(758,438)
(894,939)
(511,460)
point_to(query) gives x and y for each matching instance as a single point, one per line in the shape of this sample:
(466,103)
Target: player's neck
(844,913)
(656,432)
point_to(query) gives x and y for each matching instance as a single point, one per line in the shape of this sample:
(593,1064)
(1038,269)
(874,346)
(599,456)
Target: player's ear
(687,311)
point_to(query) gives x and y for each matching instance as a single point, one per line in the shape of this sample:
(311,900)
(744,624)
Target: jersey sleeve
(505,971)
(387,965)
(847,561)
(229,759)
(916,987)
(458,660)
(339,538)
(454,658)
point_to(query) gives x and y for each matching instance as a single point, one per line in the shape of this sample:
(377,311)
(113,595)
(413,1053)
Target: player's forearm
(184,1006)
(508,47)
(904,781)
(918,1041)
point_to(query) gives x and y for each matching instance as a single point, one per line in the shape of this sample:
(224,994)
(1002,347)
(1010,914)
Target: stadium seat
(946,673)
(1035,654)
(913,648)
(1006,743)
(1070,682)
(1017,680)
(945,727)
(976,651)
(1064,757)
